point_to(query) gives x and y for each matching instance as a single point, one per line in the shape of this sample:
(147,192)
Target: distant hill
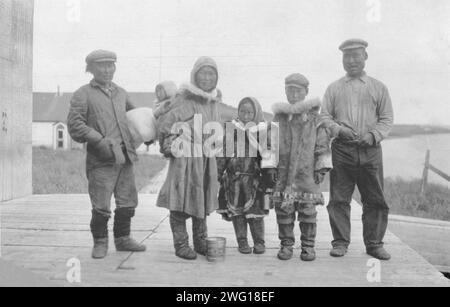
(228,113)
(399,131)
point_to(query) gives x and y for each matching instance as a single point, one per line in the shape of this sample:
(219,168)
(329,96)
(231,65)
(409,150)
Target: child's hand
(319,177)
(273,175)
(347,134)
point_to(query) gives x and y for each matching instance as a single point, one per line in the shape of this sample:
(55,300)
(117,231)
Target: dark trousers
(117,180)
(363,167)
(103,183)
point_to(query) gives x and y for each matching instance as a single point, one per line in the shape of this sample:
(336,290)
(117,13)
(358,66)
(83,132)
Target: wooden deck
(42,233)
(430,238)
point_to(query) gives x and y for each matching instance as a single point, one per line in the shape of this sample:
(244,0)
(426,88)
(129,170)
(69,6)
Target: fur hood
(304,106)
(169,88)
(259,115)
(190,91)
(199,64)
(161,107)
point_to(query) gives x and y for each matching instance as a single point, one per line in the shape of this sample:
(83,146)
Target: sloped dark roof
(49,107)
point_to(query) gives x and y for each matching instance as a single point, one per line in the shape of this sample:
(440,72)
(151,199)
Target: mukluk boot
(200,233)
(99,230)
(122,229)
(257,231)
(308,238)
(240,229)
(181,237)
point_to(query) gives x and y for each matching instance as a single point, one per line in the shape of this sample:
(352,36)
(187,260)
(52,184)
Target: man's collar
(94,83)
(363,77)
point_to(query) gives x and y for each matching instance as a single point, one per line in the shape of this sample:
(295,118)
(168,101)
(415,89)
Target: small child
(165,93)
(304,159)
(241,195)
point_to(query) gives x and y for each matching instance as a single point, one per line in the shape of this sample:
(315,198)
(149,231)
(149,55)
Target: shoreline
(416,134)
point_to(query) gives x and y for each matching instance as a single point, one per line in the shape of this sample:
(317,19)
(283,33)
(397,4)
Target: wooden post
(424,183)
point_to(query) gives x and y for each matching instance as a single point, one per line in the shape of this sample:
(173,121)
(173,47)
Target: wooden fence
(429,167)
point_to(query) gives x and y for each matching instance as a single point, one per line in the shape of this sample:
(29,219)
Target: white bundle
(269,157)
(142,125)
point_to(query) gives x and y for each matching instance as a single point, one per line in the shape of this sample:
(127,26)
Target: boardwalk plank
(41,233)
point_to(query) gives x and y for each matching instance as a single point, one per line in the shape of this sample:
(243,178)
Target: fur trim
(162,108)
(187,90)
(297,108)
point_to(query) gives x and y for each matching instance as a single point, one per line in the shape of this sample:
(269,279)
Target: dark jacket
(98,118)
(242,187)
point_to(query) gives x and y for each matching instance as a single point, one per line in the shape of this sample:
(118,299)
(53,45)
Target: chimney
(58,91)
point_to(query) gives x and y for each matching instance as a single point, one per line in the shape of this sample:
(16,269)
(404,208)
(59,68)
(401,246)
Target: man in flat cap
(304,159)
(358,112)
(97,117)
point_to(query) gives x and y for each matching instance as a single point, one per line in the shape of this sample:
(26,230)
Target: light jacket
(304,149)
(191,185)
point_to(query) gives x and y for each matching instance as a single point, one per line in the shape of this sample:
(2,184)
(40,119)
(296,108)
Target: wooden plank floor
(42,233)
(430,238)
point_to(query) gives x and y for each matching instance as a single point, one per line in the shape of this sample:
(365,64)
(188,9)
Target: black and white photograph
(228,150)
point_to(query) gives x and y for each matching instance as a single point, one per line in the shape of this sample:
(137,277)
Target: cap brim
(104,60)
(296,85)
(355,46)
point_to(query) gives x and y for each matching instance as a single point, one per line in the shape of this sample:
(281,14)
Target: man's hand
(103,148)
(347,133)
(319,177)
(367,140)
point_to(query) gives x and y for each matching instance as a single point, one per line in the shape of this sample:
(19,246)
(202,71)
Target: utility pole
(160,58)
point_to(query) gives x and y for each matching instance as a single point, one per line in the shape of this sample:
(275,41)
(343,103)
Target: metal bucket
(216,247)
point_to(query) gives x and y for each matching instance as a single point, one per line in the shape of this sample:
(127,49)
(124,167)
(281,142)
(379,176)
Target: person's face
(354,61)
(206,78)
(103,71)
(160,93)
(295,94)
(246,112)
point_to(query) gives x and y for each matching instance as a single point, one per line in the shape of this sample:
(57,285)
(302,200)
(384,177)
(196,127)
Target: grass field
(403,197)
(63,172)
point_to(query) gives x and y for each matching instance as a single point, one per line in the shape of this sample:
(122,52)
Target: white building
(50,118)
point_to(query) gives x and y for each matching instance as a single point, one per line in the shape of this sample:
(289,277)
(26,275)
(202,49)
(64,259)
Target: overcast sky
(256,44)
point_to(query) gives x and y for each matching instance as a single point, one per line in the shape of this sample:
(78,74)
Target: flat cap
(297,80)
(101,56)
(353,43)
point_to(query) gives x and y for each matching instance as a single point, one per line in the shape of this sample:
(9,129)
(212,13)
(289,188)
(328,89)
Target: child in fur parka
(165,94)
(242,178)
(304,159)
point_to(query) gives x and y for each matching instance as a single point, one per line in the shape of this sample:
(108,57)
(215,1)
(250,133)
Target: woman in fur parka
(191,187)
(304,159)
